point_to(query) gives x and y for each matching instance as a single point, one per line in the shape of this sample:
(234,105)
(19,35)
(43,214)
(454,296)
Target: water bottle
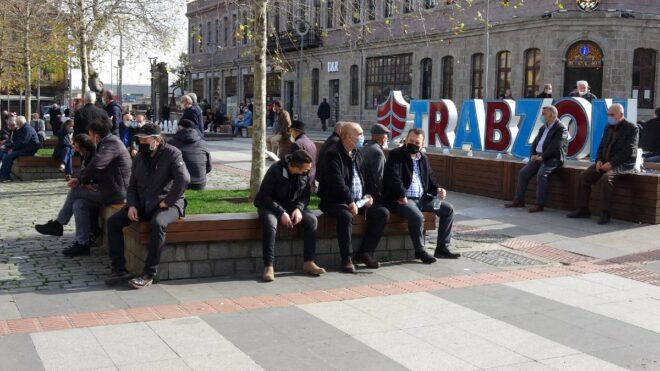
(436,204)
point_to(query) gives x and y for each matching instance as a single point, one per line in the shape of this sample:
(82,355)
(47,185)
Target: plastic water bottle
(470,154)
(436,204)
(445,151)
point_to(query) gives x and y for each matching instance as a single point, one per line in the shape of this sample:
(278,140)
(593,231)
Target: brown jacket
(285,124)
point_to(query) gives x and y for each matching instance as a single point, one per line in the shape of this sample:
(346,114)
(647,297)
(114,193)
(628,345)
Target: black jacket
(332,140)
(195,115)
(25,140)
(110,167)
(84,116)
(399,173)
(163,177)
(649,137)
(196,155)
(63,142)
(282,192)
(373,166)
(55,119)
(544,95)
(337,174)
(555,144)
(113,109)
(324,111)
(622,140)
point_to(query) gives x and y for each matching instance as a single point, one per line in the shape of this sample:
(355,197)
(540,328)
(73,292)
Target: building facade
(355,52)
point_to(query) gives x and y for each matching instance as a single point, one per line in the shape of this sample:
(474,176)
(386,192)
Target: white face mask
(386,145)
(582,92)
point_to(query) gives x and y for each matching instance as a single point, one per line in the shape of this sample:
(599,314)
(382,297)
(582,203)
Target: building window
(357,5)
(217,32)
(532,72)
(477,76)
(276,18)
(245,28)
(384,74)
(503,73)
(643,78)
(315,86)
(329,14)
(355,81)
(427,78)
(371,9)
(193,39)
(208,33)
(231,88)
(317,14)
(234,26)
(225,34)
(388,8)
(342,12)
(447,77)
(289,15)
(408,6)
(428,4)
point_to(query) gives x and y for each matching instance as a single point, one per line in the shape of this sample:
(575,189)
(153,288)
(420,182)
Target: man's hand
(285,219)
(599,166)
(133,214)
(296,216)
(73,183)
(606,167)
(402,201)
(352,207)
(442,193)
(537,158)
(368,201)
(92,187)
(163,205)
(133,152)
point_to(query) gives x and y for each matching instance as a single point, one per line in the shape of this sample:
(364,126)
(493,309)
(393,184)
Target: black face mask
(412,149)
(145,149)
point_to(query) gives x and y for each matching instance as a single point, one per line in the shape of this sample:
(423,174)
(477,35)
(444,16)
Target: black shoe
(579,214)
(77,249)
(52,228)
(141,281)
(444,253)
(367,259)
(425,257)
(116,277)
(604,218)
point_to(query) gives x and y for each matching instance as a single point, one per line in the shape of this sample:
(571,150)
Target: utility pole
(120,63)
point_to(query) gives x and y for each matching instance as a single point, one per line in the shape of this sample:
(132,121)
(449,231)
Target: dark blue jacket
(114,109)
(25,140)
(63,142)
(195,115)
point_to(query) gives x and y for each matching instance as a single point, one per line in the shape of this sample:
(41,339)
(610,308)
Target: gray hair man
(583,91)
(25,142)
(88,113)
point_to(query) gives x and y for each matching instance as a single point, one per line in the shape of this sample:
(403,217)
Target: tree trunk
(28,67)
(83,54)
(259,115)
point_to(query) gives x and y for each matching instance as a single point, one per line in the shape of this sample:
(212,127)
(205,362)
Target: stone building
(356,51)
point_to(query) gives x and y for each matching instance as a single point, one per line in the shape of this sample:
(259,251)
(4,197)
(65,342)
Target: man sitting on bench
(240,123)
(25,142)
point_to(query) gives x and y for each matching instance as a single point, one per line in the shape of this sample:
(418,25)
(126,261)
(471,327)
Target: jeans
(655,158)
(589,177)
(324,124)
(542,171)
(159,221)
(81,203)
(269,222)
(376,218)
(237,127)
(412,212)
(67,160)
(8,161)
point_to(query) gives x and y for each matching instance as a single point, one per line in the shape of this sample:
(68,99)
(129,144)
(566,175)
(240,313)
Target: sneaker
(116,277)
(61,168)
(52,228)
(425,257)
(78,249)
(141,281)
(604,218)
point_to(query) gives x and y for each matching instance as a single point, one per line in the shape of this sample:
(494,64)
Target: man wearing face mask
(411,189)
(617,154)
(155,193)
(343,195)
(548,153)
(547,92)
(373,160)
(110,168)
(25,142)
(582,91)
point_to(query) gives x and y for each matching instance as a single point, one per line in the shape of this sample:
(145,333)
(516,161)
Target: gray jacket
(373,166)
(163,177)
(111,167)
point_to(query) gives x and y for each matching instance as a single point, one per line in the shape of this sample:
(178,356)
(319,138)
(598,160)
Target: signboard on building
(500,126)
(333,66)
(588,5)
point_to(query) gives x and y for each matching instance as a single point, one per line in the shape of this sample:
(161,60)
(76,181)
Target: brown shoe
(312,269)
(347,265)
(367,259)
(535,209)
(269,274)
(514,204)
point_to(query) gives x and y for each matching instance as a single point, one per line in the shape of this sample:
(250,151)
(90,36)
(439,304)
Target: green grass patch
(216,201)
(45,152)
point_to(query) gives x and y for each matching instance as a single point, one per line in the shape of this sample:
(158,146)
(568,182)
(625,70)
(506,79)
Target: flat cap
(380,129)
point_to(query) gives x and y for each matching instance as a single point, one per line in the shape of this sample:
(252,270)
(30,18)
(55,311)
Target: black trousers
(158,220)
(269,222)
(376,216)
(412,212)
(591,176)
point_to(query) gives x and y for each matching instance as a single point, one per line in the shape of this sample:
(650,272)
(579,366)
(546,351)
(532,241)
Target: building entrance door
(334,101)
(584,61)
(289,94)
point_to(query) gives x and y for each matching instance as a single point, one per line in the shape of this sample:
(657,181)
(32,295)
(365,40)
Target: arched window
(315,86)
(427,78)
(477,76)
(355,85)
(388,8)
(584,61)
(532,72)
(503,73)
(643,78)
(447,77)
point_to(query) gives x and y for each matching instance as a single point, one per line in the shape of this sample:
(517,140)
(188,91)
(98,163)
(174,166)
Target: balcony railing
(290,40)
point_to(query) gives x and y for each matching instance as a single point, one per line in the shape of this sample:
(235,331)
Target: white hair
(20,121)
(552,109)
(620,107)
(193,96)
(90,97)
(187,99)
(582,82)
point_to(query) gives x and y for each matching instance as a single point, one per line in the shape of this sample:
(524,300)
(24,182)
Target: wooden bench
(227,244)
(49,143)
(39,167)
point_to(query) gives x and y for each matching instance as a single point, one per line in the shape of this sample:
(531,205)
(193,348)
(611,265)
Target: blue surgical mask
(360,142)
(611,121)
(543,120)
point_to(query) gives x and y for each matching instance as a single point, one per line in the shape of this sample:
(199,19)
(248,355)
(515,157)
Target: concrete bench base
(39,168)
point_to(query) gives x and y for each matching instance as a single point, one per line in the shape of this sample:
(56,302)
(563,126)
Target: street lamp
(302,29)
